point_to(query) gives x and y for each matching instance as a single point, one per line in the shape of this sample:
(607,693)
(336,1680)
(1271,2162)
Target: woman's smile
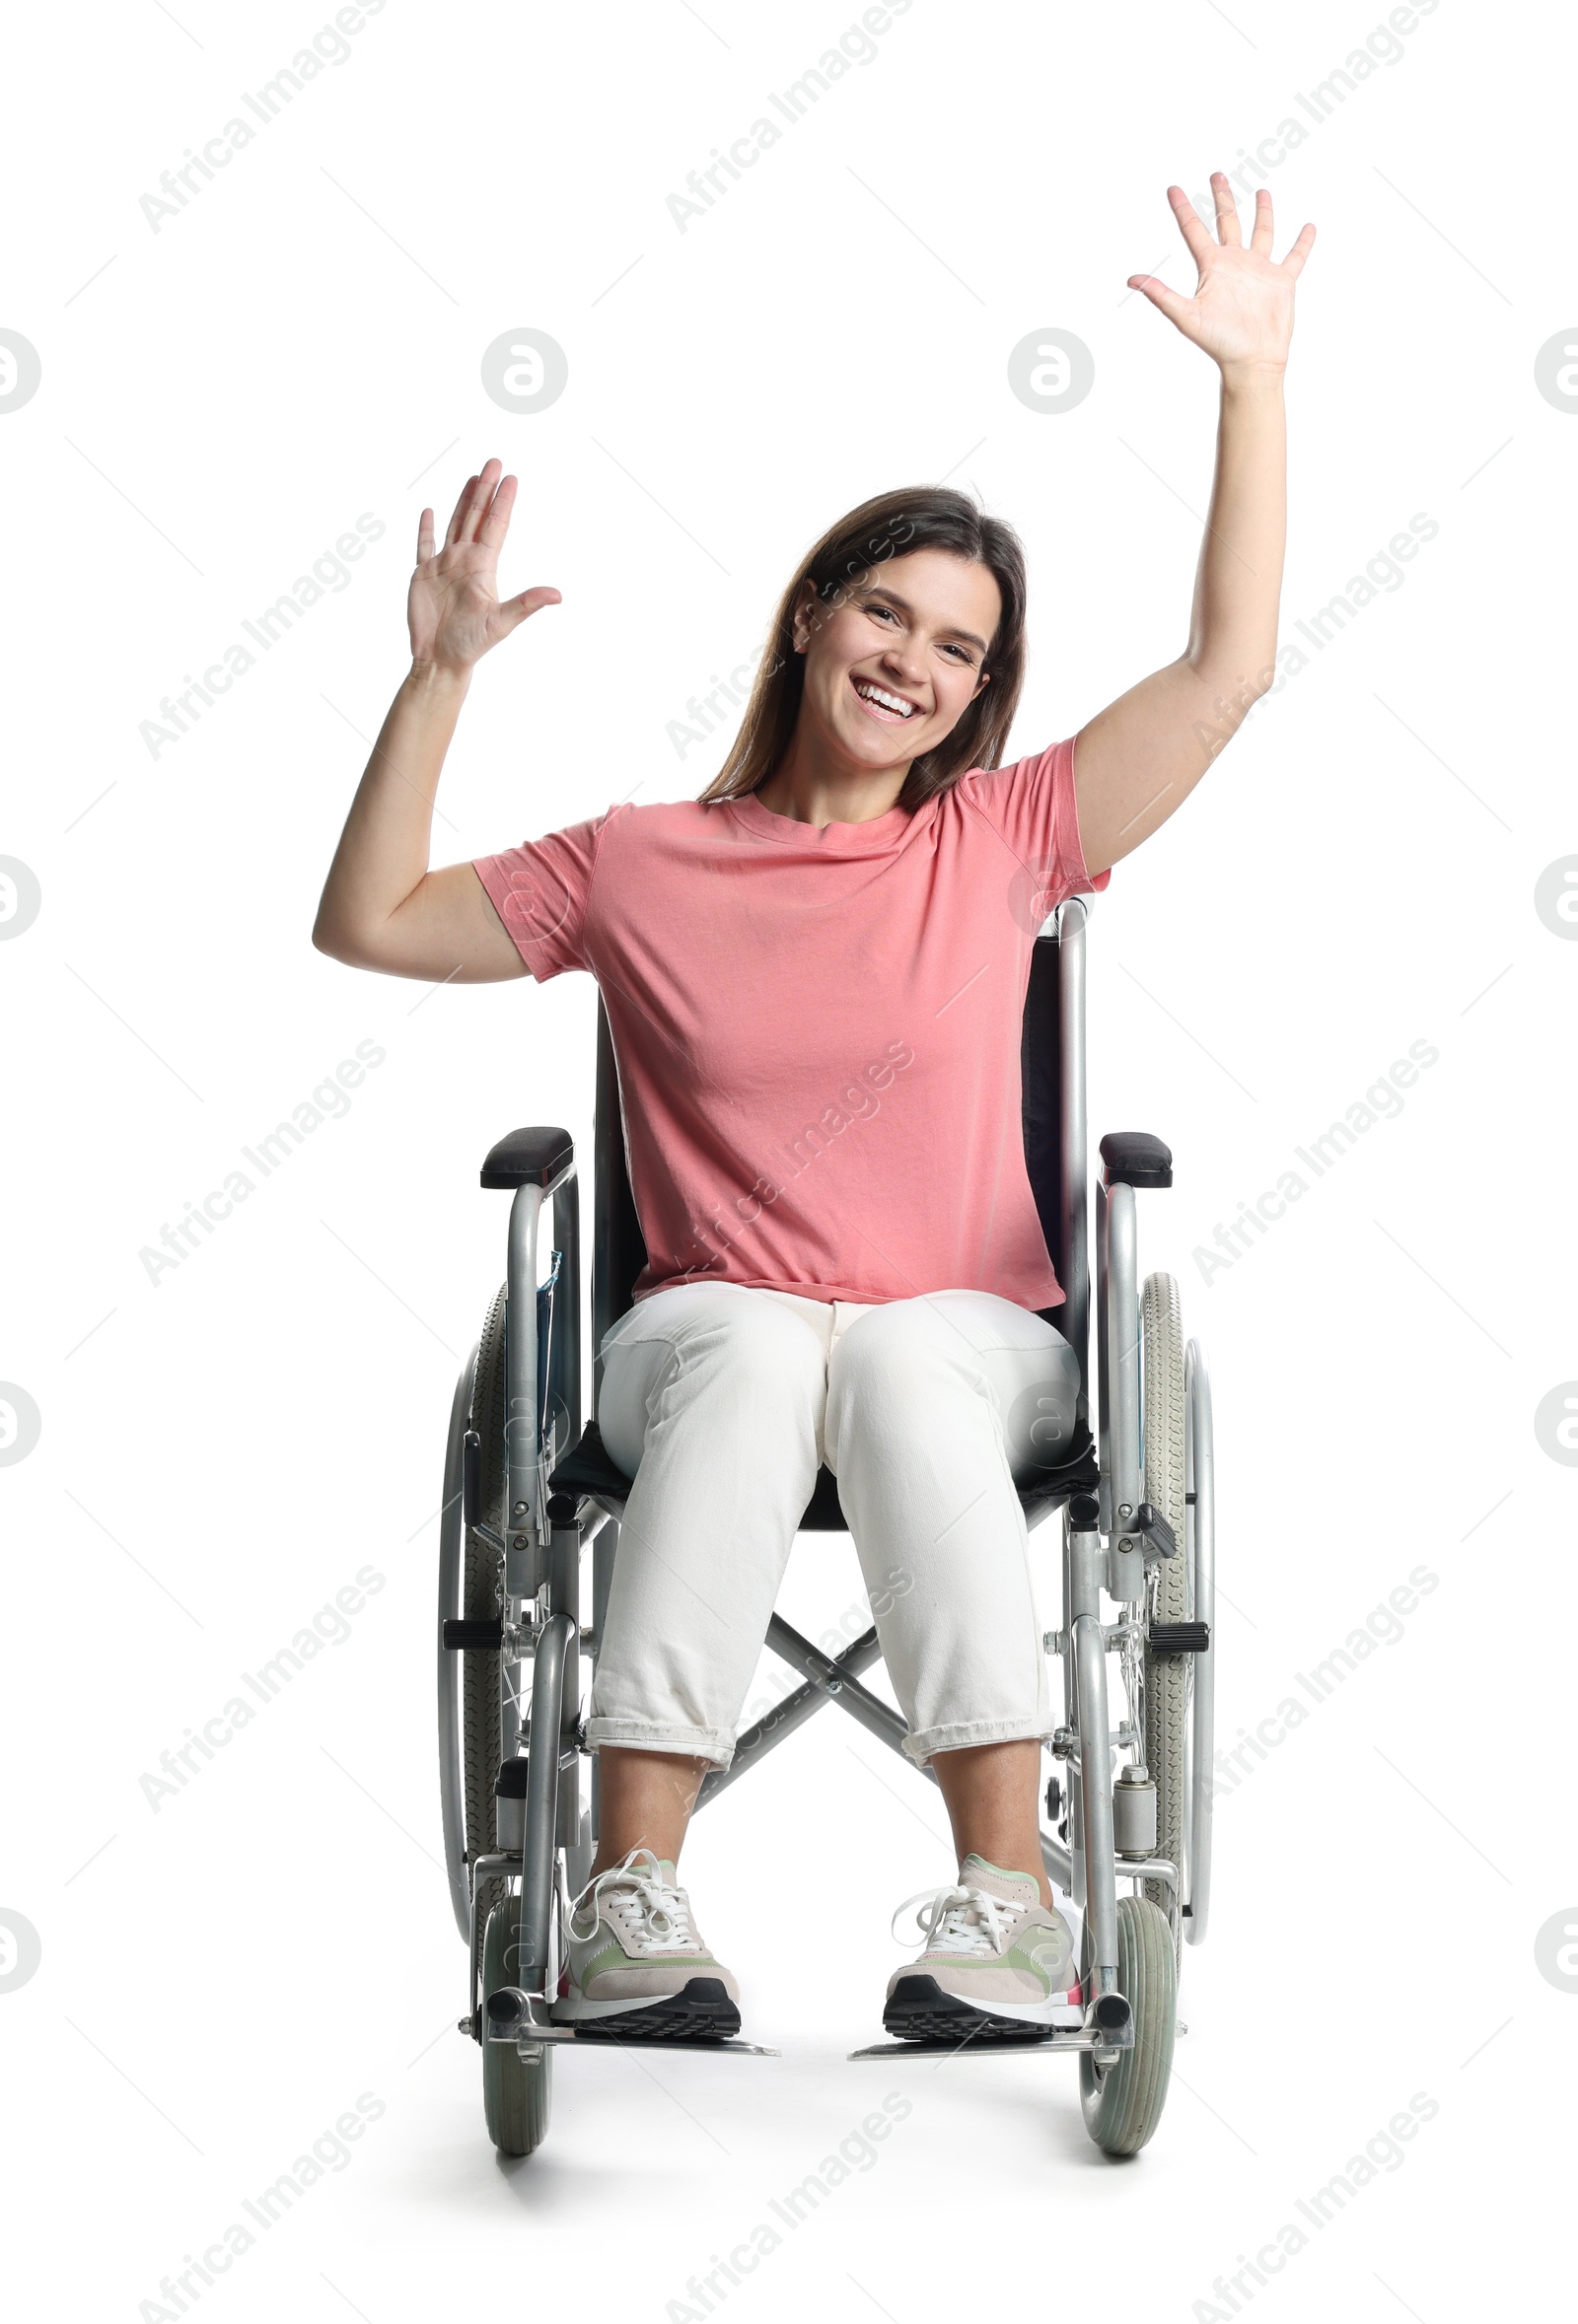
(883,704)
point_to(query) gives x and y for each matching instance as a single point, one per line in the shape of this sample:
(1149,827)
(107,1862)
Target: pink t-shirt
(817,1031)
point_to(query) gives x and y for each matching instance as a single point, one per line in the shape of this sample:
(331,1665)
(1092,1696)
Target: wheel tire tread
(1167,1676)
(481,1728)
(1123,2109)
(517,2099)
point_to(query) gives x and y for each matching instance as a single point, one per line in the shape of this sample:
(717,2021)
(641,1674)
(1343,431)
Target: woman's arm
(381,907)
(1139,759)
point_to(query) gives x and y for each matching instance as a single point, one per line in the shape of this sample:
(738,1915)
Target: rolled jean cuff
(634,1734)
(961,1734)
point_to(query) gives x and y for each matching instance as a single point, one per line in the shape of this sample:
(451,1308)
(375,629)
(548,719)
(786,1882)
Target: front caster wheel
(1123,2103)
(516,2091)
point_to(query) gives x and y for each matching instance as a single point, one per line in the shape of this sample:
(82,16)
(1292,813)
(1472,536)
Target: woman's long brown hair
(894,525)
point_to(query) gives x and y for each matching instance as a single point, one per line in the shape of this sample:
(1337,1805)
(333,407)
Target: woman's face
(892,668)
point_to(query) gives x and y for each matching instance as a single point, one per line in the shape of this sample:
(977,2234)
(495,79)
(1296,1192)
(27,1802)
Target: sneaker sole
(700,2012)
(920,2010)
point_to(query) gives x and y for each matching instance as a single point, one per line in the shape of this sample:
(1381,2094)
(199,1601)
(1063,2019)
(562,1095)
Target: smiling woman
(864,880)
(904,596)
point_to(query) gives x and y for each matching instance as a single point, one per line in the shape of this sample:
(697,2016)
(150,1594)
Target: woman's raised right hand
(452,607)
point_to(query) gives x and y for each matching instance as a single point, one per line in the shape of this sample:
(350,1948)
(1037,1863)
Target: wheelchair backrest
(1051,1059)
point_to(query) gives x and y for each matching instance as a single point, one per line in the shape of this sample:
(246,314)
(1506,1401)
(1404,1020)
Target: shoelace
(649,1910)
(961,1919)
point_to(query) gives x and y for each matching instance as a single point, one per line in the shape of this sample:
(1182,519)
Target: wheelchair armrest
(1133,1157)
(529,1157)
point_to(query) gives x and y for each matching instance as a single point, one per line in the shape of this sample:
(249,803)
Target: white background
(221,1452)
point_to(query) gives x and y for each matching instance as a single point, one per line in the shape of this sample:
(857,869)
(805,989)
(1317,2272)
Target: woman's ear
(799,627)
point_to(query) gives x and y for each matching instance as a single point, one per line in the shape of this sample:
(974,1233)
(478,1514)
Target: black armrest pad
(1133,1157)
(529,1157)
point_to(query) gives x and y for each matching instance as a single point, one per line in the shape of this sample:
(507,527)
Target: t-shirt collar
(828,838)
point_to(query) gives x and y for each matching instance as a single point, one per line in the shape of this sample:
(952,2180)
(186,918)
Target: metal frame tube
(1095,1800)
(1104,1445)
(785,1717)
(605,1544)
(526,1486)
(1072,1136)
(542,1797)
(509,1709)
(838,1683)
(501,1865)
(565,1597)
(522,1511)
(1200,1480)
(1121,1374)
(568,1238)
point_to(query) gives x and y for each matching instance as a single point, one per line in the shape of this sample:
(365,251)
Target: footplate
(568,2036)
(1095,2038)
(524,2021)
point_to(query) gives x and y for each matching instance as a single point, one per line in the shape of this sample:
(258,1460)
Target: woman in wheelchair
(814,977)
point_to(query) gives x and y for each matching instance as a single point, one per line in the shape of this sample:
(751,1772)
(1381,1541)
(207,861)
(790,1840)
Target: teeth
(871,693)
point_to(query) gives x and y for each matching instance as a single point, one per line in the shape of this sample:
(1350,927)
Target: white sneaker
(998,1964)
(636,1963)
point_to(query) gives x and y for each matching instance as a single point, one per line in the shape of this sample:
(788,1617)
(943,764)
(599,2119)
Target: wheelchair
(529,1491)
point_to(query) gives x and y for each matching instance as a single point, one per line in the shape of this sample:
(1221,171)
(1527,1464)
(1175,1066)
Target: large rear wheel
(482,1674)
(1167,1676)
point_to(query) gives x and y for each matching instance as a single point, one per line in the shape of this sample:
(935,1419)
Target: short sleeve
(540,891)
(1030,805)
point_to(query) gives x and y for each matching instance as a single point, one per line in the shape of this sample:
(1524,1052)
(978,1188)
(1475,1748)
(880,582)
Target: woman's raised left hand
(1242,308)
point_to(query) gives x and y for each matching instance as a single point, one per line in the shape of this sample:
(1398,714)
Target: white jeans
(720,1403)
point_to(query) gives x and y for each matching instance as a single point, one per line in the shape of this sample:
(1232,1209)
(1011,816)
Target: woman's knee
(905,1365)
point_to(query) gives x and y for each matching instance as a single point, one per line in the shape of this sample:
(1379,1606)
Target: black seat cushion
(589,1467)
(1077,1469)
